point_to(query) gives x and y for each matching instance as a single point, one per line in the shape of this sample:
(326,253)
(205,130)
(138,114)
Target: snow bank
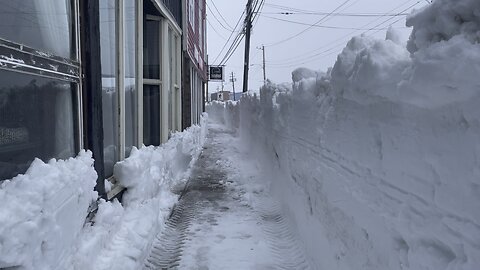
(377,161)
(120,236)
(224,112)
(439,66)
(444,20)
(43,211)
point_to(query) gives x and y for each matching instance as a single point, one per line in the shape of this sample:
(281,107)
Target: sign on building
(216,73)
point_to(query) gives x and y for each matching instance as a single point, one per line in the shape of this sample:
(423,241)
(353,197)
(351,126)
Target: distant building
(221,96)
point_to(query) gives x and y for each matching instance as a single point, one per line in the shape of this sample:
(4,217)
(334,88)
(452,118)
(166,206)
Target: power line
(221,24)
(237,41)
(256,14)
(215,30)
(308,55)
(337,14)
(410,7)
(232,49)
(286,8)
(230,37)
(332,50)
(321,26)
(310,27)
(219,13)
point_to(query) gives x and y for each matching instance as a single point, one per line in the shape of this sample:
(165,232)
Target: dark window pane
(130,90)
(37,119)
(151,115)
(130,118)
(110,128)
(151,49)
(109,92)
(41,24)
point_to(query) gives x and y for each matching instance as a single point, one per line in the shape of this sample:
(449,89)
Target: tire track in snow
(205,193)
(167,248)
(284,244)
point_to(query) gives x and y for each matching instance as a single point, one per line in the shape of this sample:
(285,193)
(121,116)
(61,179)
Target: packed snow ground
(377,160)
(226,218)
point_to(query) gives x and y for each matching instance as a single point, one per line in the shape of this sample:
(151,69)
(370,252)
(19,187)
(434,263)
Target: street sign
(216,73)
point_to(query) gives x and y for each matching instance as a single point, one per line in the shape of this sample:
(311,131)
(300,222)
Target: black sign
(216,73)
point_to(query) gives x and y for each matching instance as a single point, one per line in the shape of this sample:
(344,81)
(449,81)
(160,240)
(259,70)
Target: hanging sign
(216,73)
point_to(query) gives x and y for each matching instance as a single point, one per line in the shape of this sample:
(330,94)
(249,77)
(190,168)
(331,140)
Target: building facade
(194,61)
(103,75)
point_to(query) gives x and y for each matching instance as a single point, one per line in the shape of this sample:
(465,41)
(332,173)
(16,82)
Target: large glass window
(36,120)
(130,90)
(42,24)
(109,91)
(151,112)
(152,78)
(39,108)
(151,48)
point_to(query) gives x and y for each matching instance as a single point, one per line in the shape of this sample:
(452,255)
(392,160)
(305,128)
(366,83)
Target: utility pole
(264,72)
(233,79)
(248,27)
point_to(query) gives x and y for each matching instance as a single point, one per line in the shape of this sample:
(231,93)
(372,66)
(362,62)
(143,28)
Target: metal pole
(264,72)
(248,27)
(232,79)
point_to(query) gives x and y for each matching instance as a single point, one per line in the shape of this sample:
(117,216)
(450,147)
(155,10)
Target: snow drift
(43,212)
(121,235)
(377,161)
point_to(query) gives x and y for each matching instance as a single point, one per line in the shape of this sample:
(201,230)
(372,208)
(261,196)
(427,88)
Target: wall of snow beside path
(378,160)
(121,234)
(226,113)
(379,186)
(43,211)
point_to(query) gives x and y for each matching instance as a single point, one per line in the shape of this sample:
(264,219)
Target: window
(37,119)
(130,88)
(152,75)
(109,91)
(39,83)
(151,113)
(191,13)
(45,25)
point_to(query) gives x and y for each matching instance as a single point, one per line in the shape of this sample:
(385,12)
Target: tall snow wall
(377,161)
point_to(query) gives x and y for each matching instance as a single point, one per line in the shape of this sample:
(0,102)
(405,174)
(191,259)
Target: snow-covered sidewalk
(225,218)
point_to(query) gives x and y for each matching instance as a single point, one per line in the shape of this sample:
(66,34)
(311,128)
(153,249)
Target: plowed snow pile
(378,160)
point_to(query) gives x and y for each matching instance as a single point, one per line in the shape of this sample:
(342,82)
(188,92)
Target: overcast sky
(315,48)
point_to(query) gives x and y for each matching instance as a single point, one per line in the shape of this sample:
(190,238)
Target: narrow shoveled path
(225,218)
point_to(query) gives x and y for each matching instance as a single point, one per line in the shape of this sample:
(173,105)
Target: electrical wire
(321,26)
(230,37)
(341,40)
(221,24)
(337,14)
(329,51)
(257,6)
(219,13)
(323,19)
(215,30)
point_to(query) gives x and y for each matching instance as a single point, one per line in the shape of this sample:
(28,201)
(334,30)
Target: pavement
(225,217)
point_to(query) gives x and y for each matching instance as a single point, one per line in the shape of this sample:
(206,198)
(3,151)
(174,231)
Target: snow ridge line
(283,243)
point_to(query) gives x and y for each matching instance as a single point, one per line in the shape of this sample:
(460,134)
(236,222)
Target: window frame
(24,59)
(167,22)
